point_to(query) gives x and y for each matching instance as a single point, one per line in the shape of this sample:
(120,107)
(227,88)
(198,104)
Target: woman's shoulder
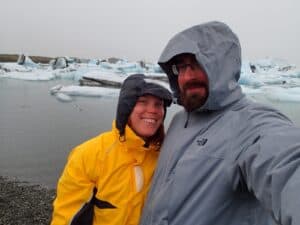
(89,155)
(93,146)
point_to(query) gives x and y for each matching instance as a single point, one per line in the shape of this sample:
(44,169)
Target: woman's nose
(153,108)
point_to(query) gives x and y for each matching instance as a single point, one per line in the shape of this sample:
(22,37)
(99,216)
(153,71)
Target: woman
(106,179)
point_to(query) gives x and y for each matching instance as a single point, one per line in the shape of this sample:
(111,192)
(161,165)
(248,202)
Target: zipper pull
(187,120)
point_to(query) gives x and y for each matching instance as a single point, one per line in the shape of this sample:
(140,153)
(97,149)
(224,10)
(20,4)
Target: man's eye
(181,66)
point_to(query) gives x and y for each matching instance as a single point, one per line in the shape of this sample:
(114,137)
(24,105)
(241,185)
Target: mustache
(193,84)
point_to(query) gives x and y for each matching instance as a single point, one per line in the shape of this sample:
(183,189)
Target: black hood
(132,88)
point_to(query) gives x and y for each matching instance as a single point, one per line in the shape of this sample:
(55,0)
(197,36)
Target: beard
(194,100)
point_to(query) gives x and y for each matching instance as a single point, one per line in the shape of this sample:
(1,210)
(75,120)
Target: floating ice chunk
(156,68)
(55,89)
(36,75)
(271,64)
(274,93)
(63,97)
(268,73)
(94,62)
(73,90)
(59,63)
(123,66)
(65,73)
(13,67)
(26,61)
(281,94)
(105,75)
(246,67)
(250,79)
(59,95)
(251,91)
(155,74)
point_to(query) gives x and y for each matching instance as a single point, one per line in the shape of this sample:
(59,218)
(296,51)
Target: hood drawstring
(187,120)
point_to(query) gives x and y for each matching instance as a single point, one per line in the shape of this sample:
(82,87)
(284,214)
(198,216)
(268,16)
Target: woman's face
(146,116)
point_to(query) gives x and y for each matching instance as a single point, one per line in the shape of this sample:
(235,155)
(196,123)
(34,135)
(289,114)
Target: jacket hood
(217,50)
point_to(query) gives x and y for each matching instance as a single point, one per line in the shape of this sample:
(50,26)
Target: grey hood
(218,51)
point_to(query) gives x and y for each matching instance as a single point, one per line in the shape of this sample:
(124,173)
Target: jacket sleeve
(270,166)
(75,187)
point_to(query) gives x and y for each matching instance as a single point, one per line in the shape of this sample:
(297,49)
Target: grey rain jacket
(230,162)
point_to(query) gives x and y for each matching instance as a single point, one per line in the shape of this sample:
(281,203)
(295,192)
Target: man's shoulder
(260,116)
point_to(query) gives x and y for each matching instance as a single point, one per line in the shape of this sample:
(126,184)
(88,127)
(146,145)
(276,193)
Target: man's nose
(189,73)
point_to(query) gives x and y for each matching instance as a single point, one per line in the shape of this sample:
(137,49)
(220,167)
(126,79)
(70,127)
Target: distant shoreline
(14,58)
(4,58)
(22,203)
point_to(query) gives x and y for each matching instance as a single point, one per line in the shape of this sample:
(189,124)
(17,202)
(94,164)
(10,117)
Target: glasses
(181,68)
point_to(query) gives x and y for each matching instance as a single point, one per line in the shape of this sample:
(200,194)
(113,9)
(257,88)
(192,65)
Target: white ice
(274,79)
(106,75)
(280,94)
(33,75)
(64,93)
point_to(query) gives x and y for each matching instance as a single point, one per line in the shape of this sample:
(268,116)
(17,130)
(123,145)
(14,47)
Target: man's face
(192,81)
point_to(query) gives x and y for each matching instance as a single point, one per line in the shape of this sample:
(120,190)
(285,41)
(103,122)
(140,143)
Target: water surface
(37,131)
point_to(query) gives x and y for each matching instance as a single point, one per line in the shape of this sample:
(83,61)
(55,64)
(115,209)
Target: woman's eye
(142,101)
(159,104)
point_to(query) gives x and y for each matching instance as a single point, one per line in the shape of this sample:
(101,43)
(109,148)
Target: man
(225,160)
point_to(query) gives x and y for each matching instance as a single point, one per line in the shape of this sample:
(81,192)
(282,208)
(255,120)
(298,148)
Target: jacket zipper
(187,120)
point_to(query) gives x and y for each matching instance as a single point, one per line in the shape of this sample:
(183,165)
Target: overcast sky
(139,29)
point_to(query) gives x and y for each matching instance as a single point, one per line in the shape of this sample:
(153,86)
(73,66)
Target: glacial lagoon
(44,113)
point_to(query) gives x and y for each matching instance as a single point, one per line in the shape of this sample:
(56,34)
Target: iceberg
(268,72)
(14,67)
(59,63)
(280,94)
(272,78)
(26,61)
(64,93)
(106,75)
(123,66)
(63,97)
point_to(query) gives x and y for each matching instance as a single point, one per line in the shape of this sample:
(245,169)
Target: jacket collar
(132,141)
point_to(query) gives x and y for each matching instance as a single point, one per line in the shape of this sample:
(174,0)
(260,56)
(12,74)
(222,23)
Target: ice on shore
(275,79)
(32,75)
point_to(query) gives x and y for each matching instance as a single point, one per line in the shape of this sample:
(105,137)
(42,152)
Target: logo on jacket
(201,141)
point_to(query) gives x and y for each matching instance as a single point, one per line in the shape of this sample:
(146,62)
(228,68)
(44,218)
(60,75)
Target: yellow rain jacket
(120,170)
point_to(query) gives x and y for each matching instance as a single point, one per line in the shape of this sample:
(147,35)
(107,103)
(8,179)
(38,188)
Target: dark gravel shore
(24,204)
